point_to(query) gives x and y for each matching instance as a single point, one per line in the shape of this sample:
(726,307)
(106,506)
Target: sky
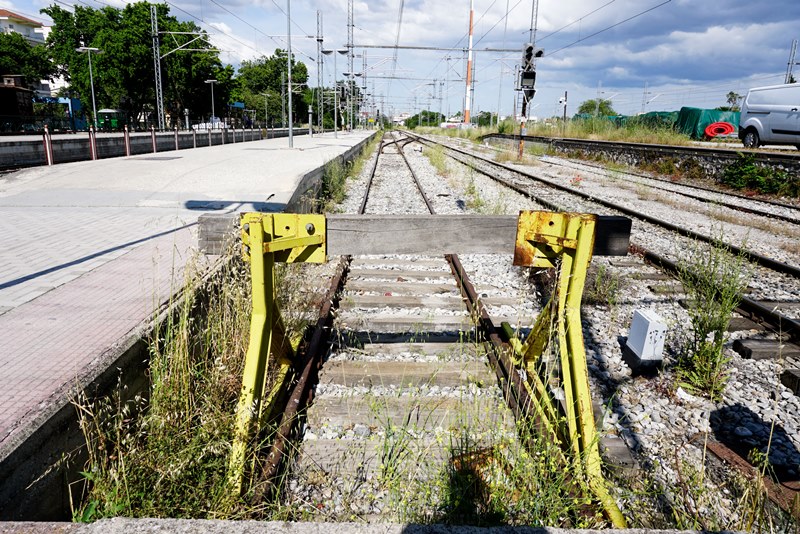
(643,55)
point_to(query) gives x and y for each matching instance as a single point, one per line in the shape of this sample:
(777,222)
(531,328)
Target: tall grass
(606,130)
(165,453)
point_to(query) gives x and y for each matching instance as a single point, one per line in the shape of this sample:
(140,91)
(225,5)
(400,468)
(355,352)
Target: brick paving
(89,250)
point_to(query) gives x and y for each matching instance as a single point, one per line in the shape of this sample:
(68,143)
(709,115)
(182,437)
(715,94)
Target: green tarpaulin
(693,121)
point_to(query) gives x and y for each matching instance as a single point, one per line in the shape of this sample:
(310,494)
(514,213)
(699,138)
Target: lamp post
(342,51)
(266,116)
(89,50)
(212,82)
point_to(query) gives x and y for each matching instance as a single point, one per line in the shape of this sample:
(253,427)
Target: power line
(577,20)
(609,27)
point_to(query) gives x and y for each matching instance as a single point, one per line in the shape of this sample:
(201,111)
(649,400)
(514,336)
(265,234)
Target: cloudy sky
(642,54)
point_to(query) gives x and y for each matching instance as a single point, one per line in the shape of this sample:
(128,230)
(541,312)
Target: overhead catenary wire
(648,10)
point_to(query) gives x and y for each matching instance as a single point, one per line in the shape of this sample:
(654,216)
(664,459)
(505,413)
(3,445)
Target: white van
(771,116)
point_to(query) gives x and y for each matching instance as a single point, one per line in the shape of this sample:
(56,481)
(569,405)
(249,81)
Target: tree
(17,56)
(124,76)
(600,107)
(733,98)
(264,75)
(425,118)
(486,118)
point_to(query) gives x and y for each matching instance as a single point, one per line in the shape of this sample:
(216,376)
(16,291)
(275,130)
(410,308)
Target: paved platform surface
(90,249)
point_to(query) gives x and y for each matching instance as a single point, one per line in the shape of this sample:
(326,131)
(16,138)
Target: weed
(714,280)
(692,171)
(745,173)
(166,456)
(576,180)
(603,288)
(474,201)
(507,127)
(335,174)
(438,159)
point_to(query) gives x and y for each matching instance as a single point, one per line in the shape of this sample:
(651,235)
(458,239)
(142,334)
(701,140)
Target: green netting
(693,121)
(657,119)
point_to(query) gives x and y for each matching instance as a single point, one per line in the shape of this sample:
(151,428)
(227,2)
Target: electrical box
(646,337)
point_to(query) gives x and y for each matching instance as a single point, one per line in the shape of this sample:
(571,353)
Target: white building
(36,34)
(30,29)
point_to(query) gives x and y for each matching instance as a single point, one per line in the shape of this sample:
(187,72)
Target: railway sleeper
(465,415)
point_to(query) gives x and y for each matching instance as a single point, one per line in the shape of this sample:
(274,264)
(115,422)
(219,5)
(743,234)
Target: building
(36,34)
(33,31)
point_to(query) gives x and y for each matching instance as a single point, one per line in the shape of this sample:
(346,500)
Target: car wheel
(751,139)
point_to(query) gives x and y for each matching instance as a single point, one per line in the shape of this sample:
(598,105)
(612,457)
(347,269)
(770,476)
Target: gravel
(663,424)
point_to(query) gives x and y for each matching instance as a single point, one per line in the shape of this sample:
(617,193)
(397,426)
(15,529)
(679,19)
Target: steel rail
(771,158)
(754,257)
(744,209)
(301,394)
(516,394)
(767,201)
(748,307)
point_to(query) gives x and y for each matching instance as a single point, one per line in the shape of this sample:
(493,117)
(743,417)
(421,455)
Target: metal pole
(468,96)
(289,67)
(335,100)
(91,83)
(320,75)
(283,100)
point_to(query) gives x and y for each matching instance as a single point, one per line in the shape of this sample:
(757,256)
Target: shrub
(714,281)
(745,173)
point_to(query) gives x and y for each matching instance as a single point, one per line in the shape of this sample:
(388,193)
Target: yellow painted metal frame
(268,238)
(564,241)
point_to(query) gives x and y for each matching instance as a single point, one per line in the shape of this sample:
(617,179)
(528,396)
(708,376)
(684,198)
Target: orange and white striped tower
(469,65)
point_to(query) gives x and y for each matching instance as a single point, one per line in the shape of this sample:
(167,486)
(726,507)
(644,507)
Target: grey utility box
(646,338)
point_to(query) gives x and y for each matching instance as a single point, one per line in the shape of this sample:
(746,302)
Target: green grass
(437,159)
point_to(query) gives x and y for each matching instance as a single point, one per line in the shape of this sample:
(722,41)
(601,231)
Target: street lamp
(89,50)
(266,117)
(212,82)
(342,51)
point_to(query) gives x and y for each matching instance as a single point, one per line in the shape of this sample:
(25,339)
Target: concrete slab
(90,250)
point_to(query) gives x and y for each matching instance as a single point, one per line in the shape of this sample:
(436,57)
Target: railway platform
(90,250)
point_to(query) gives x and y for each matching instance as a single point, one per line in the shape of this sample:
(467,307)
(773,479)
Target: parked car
(771,116)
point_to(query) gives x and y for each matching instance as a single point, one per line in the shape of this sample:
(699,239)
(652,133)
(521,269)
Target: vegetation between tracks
(714,280)
(746,174)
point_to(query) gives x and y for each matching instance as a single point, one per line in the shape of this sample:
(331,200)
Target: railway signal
(526,82)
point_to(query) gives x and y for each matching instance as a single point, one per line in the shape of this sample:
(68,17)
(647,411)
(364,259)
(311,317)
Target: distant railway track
(649,152)
(521,180)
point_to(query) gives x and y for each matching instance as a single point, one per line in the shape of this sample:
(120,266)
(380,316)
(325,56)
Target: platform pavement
(90,249)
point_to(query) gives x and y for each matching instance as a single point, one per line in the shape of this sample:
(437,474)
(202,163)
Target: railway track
(406,394)
(732,443)
(780,313)
(387,423)
(416,411)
